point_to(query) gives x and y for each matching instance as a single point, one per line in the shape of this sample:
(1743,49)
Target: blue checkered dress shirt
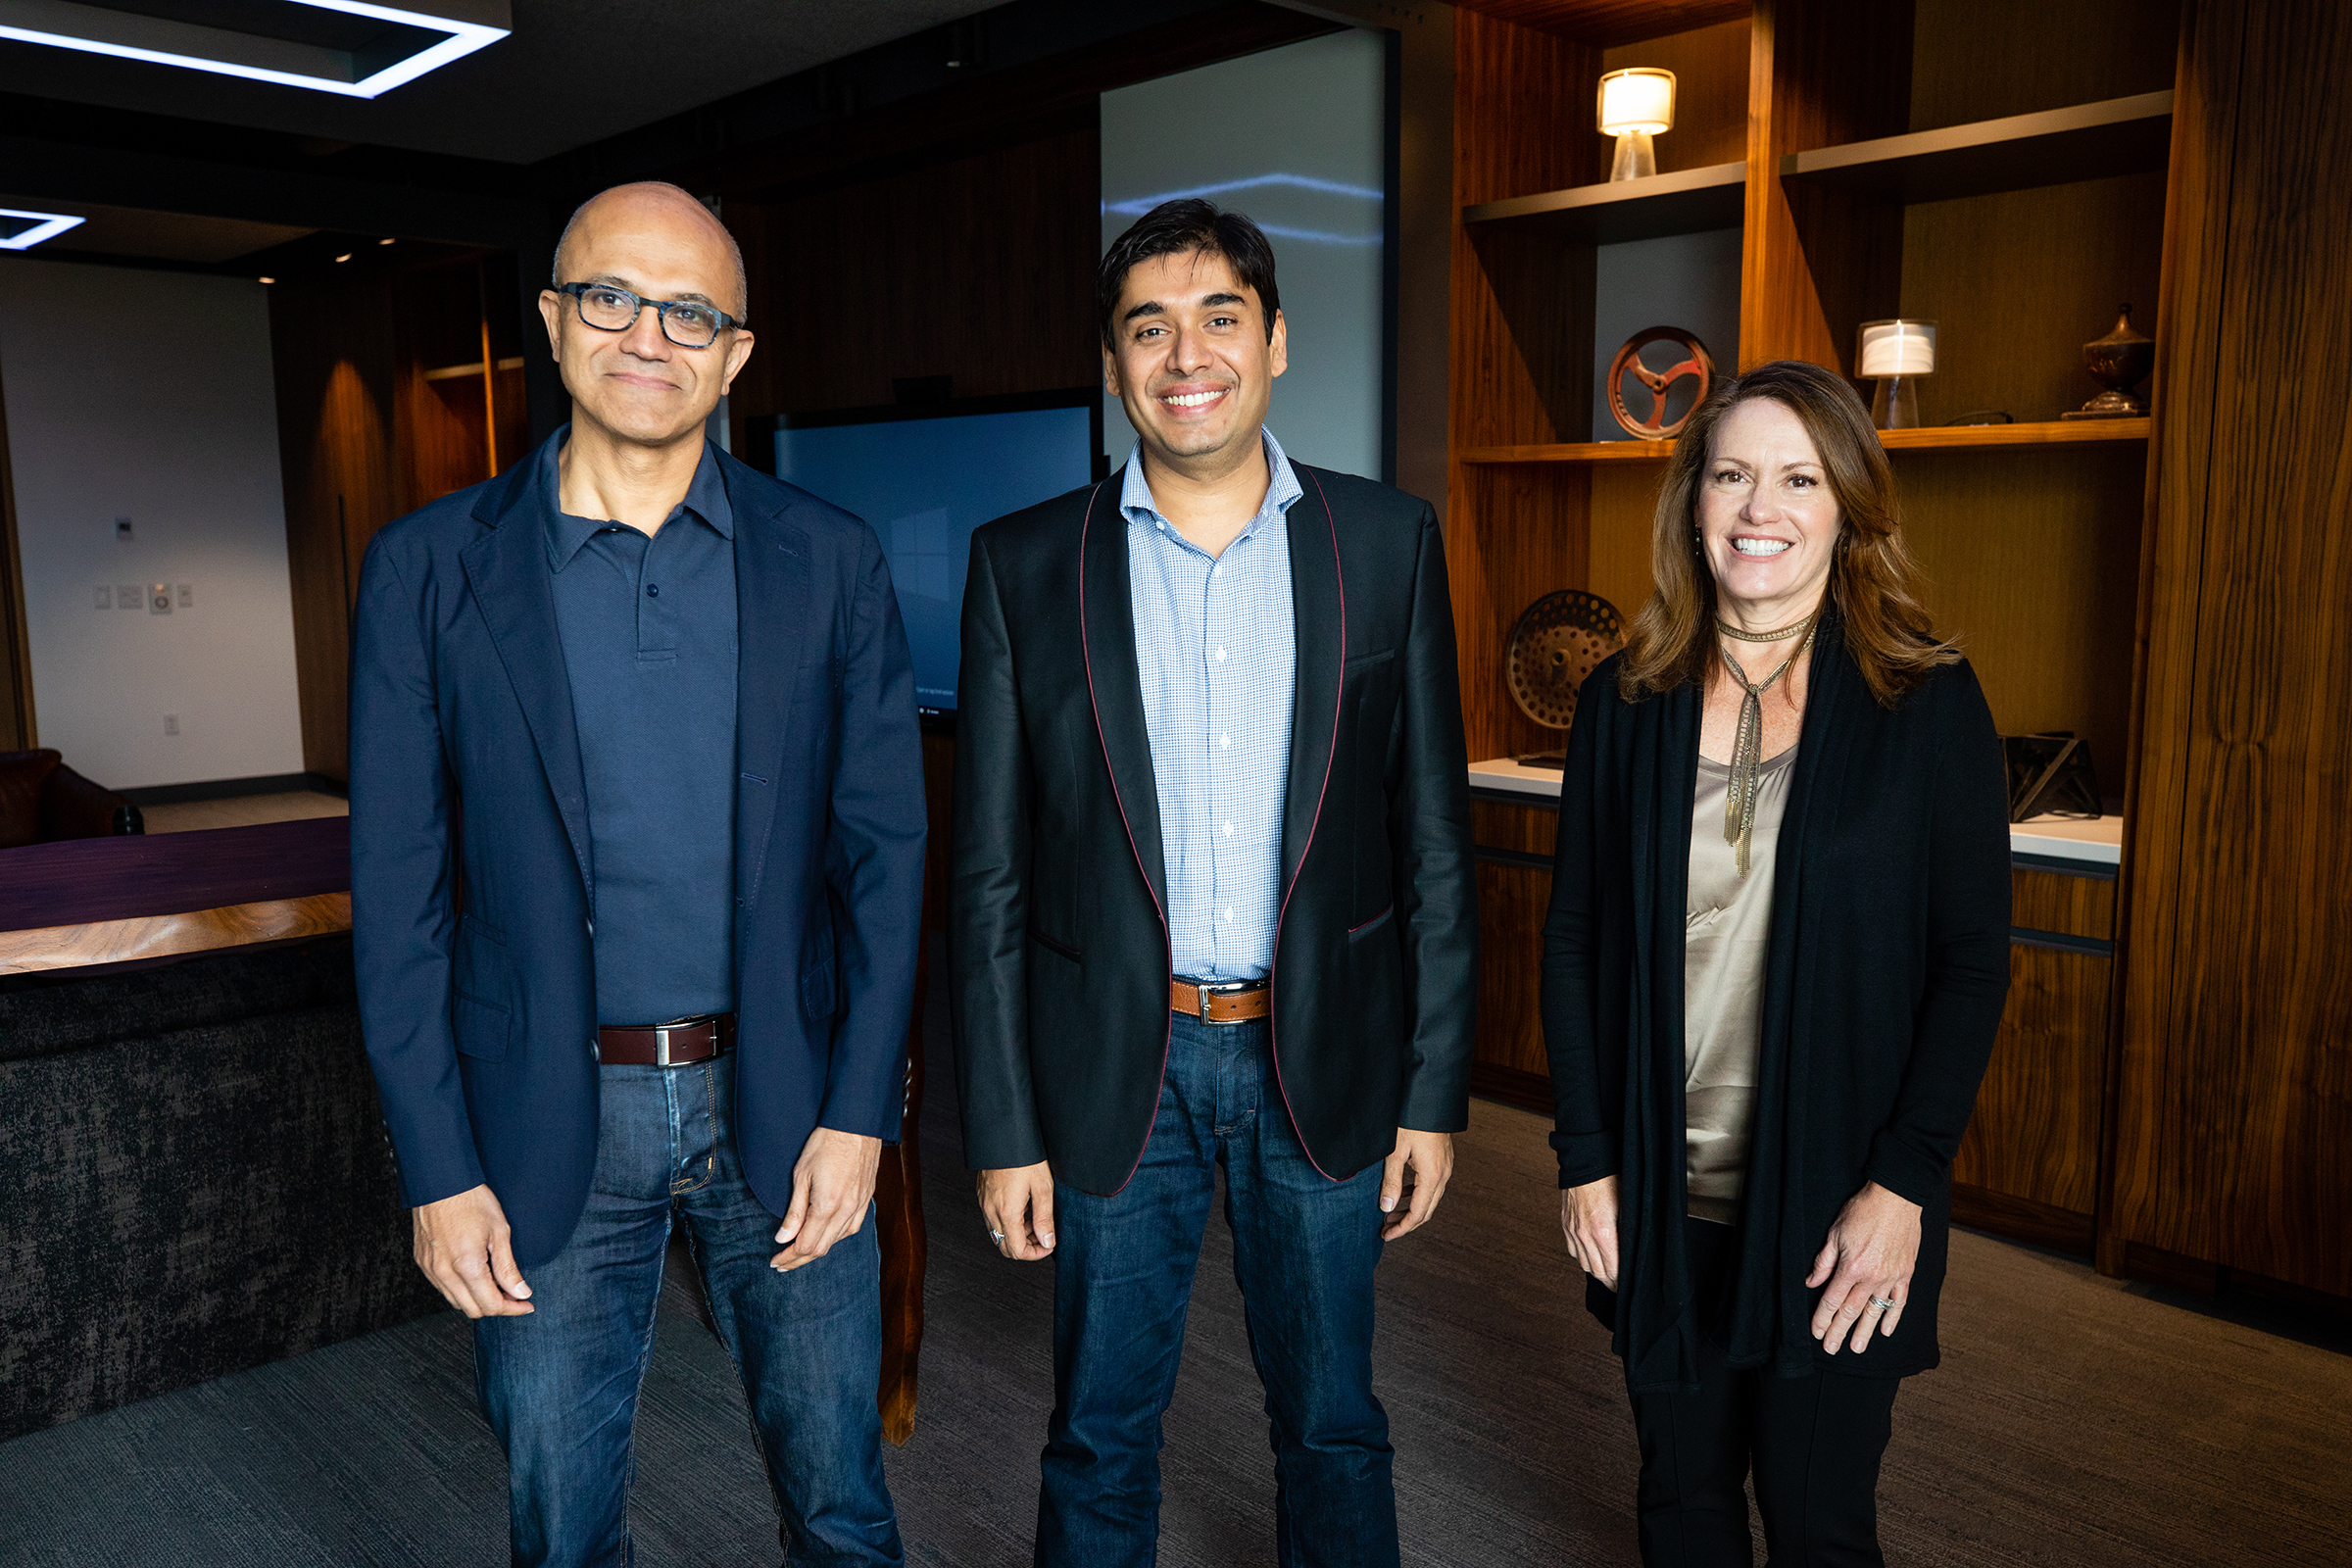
(1214,647)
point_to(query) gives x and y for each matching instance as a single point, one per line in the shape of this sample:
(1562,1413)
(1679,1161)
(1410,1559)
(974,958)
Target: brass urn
(2118,361)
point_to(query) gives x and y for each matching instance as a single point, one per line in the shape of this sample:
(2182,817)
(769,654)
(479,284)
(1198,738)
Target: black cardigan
(1885,977)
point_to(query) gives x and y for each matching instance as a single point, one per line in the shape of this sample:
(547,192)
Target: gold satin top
(1727,924)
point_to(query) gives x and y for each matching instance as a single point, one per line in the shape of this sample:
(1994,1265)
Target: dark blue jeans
(1303,1250)
(560,1385)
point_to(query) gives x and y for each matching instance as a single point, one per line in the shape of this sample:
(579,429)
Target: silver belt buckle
(1224,988)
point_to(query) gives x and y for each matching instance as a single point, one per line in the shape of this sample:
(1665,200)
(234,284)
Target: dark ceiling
(573,72)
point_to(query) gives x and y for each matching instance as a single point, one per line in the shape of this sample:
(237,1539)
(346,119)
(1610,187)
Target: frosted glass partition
(1296,137)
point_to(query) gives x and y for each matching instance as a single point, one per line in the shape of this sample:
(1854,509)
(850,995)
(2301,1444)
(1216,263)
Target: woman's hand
(1589,1220)
(1867,1260)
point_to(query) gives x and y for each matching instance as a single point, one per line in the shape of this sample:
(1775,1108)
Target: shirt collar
(1135,492)
(706,499)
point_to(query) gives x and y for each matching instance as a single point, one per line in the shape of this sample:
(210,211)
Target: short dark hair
(1176,228)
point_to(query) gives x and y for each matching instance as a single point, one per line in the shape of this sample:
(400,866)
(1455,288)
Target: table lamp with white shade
(1897,353)
(1635,104)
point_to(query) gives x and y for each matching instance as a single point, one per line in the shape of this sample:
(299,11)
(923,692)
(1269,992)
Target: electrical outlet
(159,599)
(121,530)
(106,597)
(129,597)
(171,723)
(187,596)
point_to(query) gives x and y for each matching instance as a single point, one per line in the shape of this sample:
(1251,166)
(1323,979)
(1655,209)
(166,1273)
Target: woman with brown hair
(1757,1105)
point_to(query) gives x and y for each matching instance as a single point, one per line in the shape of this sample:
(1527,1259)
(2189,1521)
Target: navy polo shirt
(647,627)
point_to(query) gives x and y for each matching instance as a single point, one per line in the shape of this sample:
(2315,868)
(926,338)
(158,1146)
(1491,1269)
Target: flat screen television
(923,476)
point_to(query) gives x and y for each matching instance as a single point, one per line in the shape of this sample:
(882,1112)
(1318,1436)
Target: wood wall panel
(2036,1132)
(2233,1096)
(1624,509)
(2070,906)
(336,372)
(2040,56)
(2031,556)
(16,728)
(1817,262)
(1518,532)
(979,267)
(1710,93)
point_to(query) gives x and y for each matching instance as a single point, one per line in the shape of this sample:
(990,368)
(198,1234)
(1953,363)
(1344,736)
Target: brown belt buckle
(1231,1002)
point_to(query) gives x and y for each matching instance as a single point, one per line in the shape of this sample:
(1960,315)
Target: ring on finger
(1882,1303)
(996,1236)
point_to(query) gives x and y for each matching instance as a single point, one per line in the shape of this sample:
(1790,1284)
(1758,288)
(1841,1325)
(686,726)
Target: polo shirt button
(652,590)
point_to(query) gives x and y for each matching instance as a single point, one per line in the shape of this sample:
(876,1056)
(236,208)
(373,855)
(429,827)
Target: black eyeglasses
(689,323)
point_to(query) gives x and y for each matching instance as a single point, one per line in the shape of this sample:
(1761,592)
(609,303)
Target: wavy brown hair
(1875,586)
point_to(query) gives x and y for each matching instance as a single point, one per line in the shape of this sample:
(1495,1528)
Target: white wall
(149,395)
(1297,138)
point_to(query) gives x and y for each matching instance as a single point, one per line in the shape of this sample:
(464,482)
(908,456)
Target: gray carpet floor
(2076,1420)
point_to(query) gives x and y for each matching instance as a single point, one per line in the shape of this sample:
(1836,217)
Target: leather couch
(42,800)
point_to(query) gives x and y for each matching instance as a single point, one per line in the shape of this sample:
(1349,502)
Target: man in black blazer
(1213,903)
(637,860)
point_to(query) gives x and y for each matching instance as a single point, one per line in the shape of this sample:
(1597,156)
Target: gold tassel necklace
(1748,751)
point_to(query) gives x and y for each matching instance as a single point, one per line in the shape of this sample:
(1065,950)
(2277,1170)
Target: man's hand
(831,1186)
(1431,1158)
(467,1250)
(1589,1220)
(1018,1204)
(1867,1261)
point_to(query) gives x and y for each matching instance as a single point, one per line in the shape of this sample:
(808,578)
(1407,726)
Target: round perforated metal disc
(1559,640)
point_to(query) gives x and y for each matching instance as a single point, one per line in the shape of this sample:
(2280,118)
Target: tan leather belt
(1221,1000)
(666,1044)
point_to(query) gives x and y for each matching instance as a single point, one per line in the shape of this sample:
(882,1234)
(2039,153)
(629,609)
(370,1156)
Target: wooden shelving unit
(1935,438)
(1685,202)
(2018,152)
(2009,184)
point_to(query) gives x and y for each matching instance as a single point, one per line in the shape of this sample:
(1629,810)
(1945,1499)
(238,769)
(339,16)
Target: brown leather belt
(666,1044)
(1221,1000)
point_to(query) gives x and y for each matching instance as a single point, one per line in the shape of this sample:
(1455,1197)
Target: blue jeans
(560,1385)
(1303,1250)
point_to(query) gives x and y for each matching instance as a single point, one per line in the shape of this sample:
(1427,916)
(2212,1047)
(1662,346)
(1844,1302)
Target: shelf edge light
(51,225)
(37,21)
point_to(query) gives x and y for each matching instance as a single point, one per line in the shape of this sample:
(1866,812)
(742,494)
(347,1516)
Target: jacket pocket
(1055,946)
(481,1028)
(1378,922)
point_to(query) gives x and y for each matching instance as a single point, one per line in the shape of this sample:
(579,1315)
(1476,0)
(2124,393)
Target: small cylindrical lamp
(1635,104)
(1897,353)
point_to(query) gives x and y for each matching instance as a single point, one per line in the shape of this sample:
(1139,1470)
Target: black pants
(1813,1442)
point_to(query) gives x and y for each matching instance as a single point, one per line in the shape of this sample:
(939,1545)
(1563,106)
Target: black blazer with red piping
(1057,936)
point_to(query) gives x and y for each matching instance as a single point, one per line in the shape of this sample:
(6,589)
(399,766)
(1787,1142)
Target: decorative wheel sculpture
(1695,362)
(1560,639)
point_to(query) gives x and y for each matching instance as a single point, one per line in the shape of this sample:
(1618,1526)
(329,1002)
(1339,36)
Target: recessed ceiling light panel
(389,46)
(21,230)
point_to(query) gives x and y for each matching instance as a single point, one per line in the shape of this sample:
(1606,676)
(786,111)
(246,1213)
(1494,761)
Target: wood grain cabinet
(2171,1074)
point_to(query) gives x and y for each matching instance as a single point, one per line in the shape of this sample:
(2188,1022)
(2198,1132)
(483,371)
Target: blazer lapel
(507,569)
(772,638)
(1319,630)
(1106,629)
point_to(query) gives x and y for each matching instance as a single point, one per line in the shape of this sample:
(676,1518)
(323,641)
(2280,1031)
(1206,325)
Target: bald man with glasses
(637,864)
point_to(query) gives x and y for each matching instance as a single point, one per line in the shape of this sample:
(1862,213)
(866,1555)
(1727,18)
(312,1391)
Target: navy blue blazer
(471,882)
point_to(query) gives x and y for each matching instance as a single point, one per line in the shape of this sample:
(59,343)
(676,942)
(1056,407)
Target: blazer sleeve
(1429,826)
(1959,1011)
(988,900)
(874,860)
(401,829)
